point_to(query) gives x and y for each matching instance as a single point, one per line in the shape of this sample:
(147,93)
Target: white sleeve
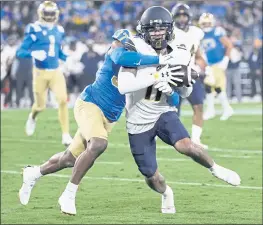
(128,82)
(184,91)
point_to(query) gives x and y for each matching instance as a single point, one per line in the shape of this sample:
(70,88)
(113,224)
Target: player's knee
(97,146)
(62,101)
(148,171)
(198,109)
(67,159)
(218,90)
(184,146)
(208,89)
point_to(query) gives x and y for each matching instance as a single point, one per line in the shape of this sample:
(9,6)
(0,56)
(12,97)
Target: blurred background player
(8,52)
(42,42)
(217,47)
(190,36)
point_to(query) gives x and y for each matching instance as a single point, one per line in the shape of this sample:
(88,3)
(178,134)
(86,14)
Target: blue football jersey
(39,37)
(214,49)
(104,91)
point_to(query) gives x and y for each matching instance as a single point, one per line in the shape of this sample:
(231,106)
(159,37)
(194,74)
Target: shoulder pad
(197,32)
(60,29)
(129,45)
(36,27)
(219,31)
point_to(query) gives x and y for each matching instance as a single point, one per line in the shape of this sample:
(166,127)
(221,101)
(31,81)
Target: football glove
(170,74)
(40,55)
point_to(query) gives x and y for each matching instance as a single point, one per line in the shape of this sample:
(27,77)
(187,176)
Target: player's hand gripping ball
(188,76)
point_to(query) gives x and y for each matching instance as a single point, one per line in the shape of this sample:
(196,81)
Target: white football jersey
(190,39)
(145,106)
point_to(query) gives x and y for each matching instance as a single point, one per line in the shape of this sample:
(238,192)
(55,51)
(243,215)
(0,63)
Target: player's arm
(200,61)
(227,44)
(24,50)
(61,55)
(131,79)
(121,56)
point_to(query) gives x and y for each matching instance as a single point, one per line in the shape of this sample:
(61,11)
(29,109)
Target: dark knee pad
(208,89)
(147,171)
(218,90)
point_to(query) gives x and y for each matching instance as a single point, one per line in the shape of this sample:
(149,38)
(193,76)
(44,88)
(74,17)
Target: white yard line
(211,149)
(140,180)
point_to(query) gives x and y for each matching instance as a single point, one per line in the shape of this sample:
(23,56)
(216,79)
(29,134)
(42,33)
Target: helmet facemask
(156,34)
(182,21)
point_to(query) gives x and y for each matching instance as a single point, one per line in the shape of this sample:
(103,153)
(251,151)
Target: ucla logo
(114,81)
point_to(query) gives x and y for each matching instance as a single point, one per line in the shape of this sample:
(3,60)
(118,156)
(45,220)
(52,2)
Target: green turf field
(114,191)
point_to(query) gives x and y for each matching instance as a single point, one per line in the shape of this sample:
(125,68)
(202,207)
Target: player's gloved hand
(171,74)
(40,55)
(165,59)
(164,87)
(224,63)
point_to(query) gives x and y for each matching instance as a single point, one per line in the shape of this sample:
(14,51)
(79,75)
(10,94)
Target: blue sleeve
(121,56)
(174,99)
(62,55)
(24,49)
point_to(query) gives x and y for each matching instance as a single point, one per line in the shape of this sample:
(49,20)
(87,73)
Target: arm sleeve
(122,57)
(173,100)
(128,82)
(184,91)
(24,49)
(62,55)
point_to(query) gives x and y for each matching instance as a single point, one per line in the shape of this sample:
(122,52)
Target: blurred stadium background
(89,26)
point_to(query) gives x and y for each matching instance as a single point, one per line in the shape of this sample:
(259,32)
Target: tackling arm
(120,56)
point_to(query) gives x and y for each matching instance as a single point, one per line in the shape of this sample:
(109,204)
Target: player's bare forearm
(200,61)
(227,44)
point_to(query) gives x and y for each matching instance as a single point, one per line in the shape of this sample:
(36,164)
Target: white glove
(170,74)
(40,55)
(224,63)
(165,59)
(164,87)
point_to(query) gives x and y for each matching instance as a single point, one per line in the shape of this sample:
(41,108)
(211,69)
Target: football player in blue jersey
(96,111)
(217,47)
(42,42)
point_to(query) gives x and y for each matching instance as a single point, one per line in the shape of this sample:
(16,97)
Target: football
(194,75)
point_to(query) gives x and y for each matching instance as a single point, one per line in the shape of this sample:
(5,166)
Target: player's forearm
(23,53)
(173,99)
(62,55)
(184,91)
(125,58)
(130,80)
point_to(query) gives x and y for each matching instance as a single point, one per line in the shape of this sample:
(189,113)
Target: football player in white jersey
(149,115)
(190,36)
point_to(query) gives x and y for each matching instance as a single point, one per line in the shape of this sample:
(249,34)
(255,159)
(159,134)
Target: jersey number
(51,51)
(152,96)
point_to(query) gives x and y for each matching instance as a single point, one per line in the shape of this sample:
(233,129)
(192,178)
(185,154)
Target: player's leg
(196,100)
(58,86)
(172,132)
(40,85)
(57,162)
(94,128)
(209,82)
(220,88)
(143,148)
